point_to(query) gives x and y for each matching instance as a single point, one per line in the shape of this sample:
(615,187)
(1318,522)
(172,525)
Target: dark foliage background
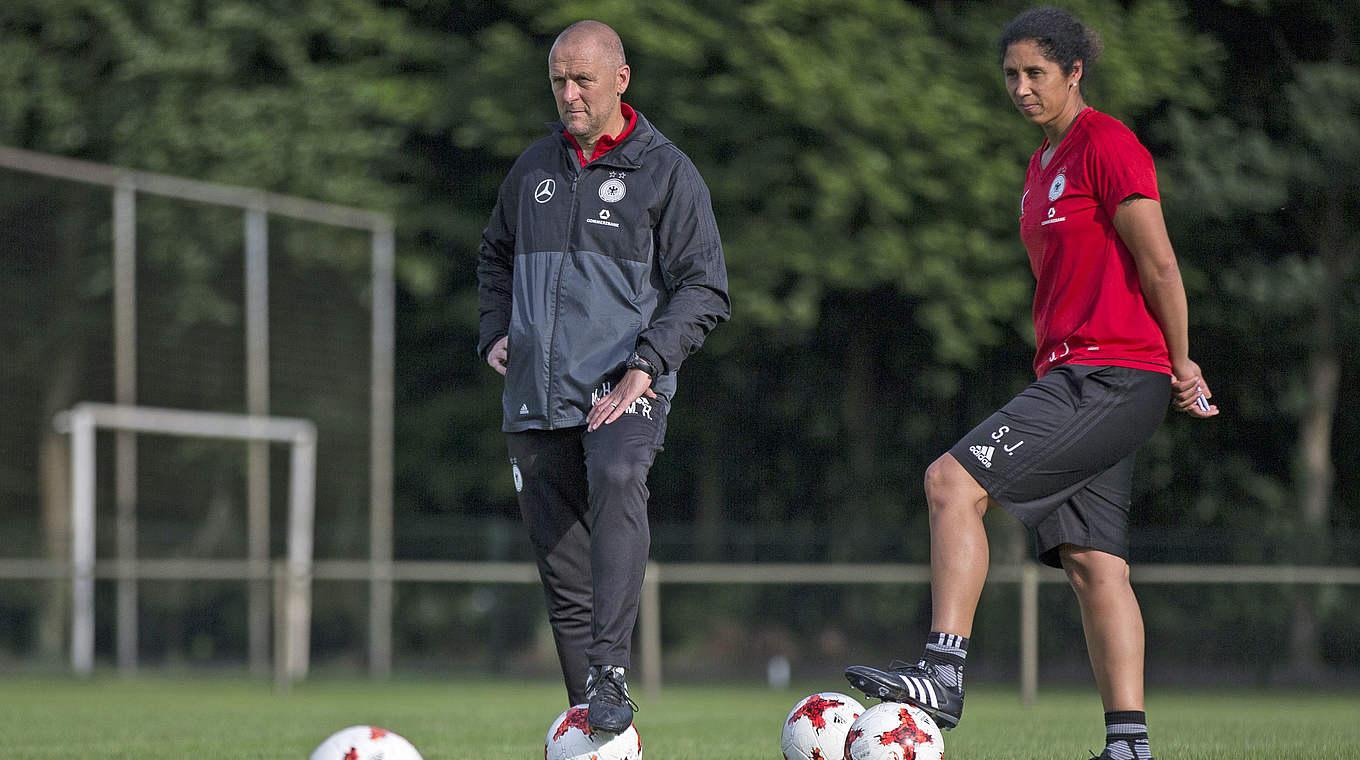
(864,163)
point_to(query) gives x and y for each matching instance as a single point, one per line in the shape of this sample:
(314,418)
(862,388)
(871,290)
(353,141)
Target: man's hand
(634,384)
(499,355)
(1189,392)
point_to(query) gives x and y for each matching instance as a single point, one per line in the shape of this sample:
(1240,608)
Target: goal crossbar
(84,419)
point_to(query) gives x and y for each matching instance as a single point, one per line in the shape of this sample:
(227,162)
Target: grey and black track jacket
(581,266)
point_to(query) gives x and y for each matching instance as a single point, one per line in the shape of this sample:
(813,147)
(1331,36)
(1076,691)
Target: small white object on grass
(778,672)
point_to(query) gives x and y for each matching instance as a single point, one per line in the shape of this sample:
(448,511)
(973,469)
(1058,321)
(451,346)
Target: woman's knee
(1091,570)
(949,486)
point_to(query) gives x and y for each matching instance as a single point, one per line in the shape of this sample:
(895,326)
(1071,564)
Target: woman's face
(1038,86)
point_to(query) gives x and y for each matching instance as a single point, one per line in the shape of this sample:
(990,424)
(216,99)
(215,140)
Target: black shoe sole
(889,692)
(610,729)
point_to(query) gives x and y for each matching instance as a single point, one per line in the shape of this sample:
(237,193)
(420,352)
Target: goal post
(84,419)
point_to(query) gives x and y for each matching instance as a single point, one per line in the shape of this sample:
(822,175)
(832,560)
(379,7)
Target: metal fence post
(257,456)
(651,631)
(82,542)
(125,392)
(282,682)
(381,446)
(1029,633)
(301,511)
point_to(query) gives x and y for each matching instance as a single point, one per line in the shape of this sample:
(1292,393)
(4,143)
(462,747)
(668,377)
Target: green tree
(865,165)
(1275,178)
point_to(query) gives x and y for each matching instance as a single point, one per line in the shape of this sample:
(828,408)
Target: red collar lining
(606,143)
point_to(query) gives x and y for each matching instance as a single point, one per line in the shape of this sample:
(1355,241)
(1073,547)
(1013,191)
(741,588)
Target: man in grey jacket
(600,271)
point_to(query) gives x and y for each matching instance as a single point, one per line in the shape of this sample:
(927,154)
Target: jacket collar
(627,154)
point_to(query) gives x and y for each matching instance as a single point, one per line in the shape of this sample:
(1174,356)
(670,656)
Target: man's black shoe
(610,708)
(913,684)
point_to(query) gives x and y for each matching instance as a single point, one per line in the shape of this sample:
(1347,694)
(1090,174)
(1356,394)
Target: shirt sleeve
(1121,167)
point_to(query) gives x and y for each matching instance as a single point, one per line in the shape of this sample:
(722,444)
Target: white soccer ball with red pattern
(815,728)
(894,731)
(572,738)
(365,743)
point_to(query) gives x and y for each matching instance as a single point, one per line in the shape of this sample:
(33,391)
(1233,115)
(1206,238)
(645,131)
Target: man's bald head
(595,36)
(589,76)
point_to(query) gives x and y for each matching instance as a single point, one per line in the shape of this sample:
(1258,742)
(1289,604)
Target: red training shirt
(1088,304)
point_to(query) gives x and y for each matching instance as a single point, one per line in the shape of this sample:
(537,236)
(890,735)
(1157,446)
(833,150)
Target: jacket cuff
(485,349)
(645,350)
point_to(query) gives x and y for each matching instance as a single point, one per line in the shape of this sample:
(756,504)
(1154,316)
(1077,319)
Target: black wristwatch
(635,361)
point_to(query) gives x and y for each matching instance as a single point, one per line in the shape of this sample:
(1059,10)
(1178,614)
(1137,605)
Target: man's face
(587,87)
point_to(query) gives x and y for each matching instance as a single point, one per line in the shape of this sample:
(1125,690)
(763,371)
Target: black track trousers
(583,497)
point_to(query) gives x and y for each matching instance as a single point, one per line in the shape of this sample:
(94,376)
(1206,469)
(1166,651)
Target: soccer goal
(192,295)
(82,422)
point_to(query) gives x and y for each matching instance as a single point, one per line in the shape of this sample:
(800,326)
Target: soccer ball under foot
(571,738)
(894,731)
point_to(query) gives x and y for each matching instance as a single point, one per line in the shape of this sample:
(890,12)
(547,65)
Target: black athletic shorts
(1059,456)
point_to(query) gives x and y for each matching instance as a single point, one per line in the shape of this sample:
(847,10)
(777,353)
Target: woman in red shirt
(1113,352)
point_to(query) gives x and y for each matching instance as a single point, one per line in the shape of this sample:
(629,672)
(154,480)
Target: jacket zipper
(557,298)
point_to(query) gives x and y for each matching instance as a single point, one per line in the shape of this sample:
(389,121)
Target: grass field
(161,718)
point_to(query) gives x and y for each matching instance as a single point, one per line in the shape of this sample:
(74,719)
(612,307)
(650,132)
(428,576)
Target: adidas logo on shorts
(983,454)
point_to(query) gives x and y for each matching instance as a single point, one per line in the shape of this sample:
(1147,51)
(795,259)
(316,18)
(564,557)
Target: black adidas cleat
(610,708)
(913,684)
(1105,753)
